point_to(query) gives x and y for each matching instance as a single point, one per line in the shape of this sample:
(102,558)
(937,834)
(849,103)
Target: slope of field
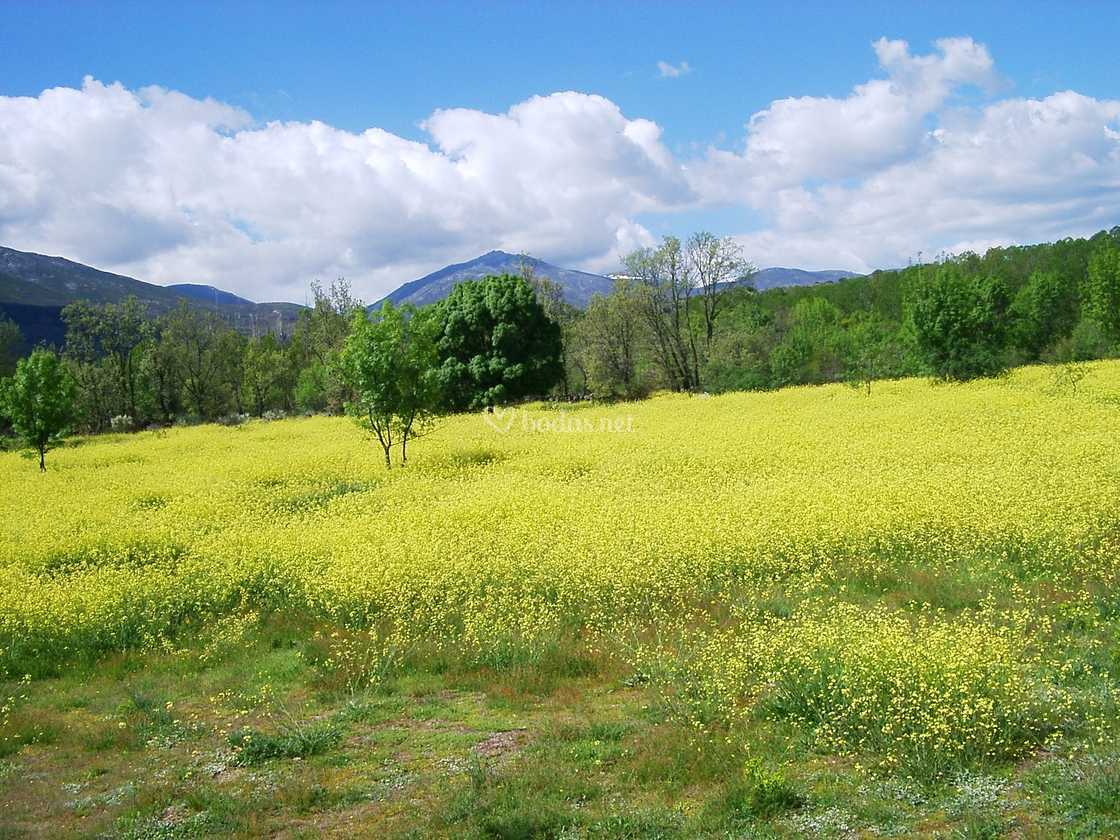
(913,585)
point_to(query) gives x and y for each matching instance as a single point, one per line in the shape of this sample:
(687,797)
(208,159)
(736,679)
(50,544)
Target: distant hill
(578,286)
(35,287)
(773,278)
(208,294)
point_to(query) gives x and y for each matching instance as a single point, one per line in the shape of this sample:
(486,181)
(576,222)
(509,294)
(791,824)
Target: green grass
(261,738)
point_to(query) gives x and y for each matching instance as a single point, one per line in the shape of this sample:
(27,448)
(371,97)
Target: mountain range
(34,288)
(578,286)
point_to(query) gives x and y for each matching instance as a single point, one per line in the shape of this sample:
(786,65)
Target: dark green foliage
(960,323)
(10,341)
(496,344)
(38,400)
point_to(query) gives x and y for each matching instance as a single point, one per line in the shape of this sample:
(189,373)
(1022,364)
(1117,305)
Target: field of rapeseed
(921,580)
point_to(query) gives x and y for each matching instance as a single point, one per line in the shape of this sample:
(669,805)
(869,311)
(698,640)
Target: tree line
(684,316)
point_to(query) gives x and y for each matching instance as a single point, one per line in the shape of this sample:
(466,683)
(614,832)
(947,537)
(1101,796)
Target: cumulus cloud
(673,71)
(169,188)
(899,166)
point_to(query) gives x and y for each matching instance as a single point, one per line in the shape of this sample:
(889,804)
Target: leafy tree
(39,401)
(611,338)
(160,372)
(739,358)
(390,363)
(664,286)
(113,332)
(550,295)
(196,338)
(812,349)
(263,372)
(1044,310)
(1102,287)
(960,323)
(316,343)
(496,344)
(716,263)
(231,360)
(10,340)
(872,352)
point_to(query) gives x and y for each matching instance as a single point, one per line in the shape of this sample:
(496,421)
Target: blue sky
(355,67)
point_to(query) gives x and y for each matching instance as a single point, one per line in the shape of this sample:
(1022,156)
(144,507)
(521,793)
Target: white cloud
(673,71)
(172,189)
(169,188)
(899,166)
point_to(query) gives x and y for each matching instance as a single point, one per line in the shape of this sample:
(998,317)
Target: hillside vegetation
(815,611)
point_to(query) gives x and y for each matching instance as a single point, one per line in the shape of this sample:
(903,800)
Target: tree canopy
(38,399)
(496,344)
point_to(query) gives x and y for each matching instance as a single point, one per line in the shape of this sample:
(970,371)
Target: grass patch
(299,741)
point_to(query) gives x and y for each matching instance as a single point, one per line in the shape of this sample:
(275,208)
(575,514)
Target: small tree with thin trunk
(389,362)
(39,401)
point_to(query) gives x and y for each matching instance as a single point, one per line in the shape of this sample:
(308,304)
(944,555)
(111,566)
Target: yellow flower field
(505,531)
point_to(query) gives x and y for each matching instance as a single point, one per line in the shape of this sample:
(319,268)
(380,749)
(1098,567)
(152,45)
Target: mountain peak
(578,286)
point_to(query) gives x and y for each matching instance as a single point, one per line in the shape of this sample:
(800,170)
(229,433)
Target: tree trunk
(42,459)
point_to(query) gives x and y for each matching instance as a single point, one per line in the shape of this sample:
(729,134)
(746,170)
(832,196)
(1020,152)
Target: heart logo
(500,419)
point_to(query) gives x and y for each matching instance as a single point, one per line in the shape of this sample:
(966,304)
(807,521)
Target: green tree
(664,284)
(10,341)
(160,372)
(1102,287)
(496,344)
(959,323)
(195,336)
(1044,310)
(263,372)
(315,345)
(38,399)
(389,363)
(813,347)
(113,332)
(231,362)
(610,340)
(872,352)
(716,263)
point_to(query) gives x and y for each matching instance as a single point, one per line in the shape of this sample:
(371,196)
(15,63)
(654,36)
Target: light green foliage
(389,363)
(38,399)
(1102,288)
(610,338)
(959,322)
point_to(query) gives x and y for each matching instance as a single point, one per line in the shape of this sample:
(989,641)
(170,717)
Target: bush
(121,423)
